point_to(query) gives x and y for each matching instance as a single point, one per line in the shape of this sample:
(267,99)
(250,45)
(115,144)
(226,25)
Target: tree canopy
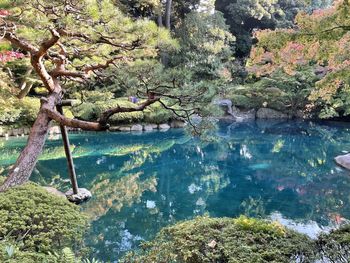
(320,42)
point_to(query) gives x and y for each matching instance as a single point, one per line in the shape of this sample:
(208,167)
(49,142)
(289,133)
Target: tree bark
(25,86)
(168,14)
(26,89)
(160,16)
(23,168)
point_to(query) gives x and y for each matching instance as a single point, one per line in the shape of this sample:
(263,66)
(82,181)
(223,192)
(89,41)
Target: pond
(143,182)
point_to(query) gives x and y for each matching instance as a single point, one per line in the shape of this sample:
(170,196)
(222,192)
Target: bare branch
(20,43)
(107,114)
(89,68)
(74,123)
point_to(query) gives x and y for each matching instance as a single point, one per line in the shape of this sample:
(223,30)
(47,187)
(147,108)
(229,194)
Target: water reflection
(140,183)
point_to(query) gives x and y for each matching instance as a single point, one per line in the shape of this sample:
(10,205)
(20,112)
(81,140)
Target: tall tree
(168,8)
(71,41)
(244,16)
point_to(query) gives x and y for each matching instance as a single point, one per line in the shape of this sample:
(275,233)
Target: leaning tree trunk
(24,166)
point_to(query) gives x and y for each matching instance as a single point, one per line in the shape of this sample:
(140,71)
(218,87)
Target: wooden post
(71,169)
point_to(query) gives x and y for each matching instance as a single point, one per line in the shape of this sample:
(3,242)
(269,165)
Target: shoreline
(7,132)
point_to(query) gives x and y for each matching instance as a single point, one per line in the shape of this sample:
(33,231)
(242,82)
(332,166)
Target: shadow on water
(282,170)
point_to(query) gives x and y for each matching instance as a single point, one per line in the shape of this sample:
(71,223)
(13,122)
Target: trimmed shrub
(225,240)
(335,246)
(157,114)
(41,221)
(91,111)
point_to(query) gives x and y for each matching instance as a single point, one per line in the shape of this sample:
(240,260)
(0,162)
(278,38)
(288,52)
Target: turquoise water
(143,182)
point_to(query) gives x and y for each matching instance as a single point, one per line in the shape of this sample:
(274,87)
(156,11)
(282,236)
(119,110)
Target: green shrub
(225,240)
(40,220)
(335,246)
(11,252)
(30,108)
(92,111)
(157,114)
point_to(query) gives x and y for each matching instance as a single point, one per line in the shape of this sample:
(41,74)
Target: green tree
(205,46)
(244,16)
(69,42)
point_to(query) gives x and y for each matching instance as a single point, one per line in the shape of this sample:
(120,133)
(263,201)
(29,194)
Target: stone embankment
(8,132)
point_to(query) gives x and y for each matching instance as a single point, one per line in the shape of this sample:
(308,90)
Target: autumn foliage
(321,41)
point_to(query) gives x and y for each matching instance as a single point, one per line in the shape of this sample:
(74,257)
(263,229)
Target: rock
(177,124)
(212,244)
(225,103)
(124,128)
(299,114)
(83,195)
(54,191)
(136,127)
(120,128)
(26,131)
(148,127)
(155,126)
(196,119)
(2,132)
(343,161)
(14,132)
(266,113)
(164,126)
(242,116)
(114,128)
(54,130)
(20,131)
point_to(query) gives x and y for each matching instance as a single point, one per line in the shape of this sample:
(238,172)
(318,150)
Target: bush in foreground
(335,246)
(225,240)
(40,221)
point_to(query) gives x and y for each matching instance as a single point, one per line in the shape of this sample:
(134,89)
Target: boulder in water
(343,161)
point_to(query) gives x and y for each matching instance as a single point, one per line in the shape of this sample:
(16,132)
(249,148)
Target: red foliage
(7,56)
(4,13)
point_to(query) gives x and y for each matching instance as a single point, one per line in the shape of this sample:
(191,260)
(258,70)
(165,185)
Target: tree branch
(37,60)
(20,43)
(74,123)
(107,114)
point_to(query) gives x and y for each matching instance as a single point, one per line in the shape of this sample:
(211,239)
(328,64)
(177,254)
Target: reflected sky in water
(143,182)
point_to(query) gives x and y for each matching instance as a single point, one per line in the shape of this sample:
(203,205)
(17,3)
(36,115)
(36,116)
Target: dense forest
(97,65)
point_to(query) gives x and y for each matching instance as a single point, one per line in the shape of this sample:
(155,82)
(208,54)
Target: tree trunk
(168,14)
(160,17)
(23,168)
(25,86)
(26,89)
(164,56)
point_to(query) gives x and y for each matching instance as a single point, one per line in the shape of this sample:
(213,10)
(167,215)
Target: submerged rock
(343,161)
(267,113)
